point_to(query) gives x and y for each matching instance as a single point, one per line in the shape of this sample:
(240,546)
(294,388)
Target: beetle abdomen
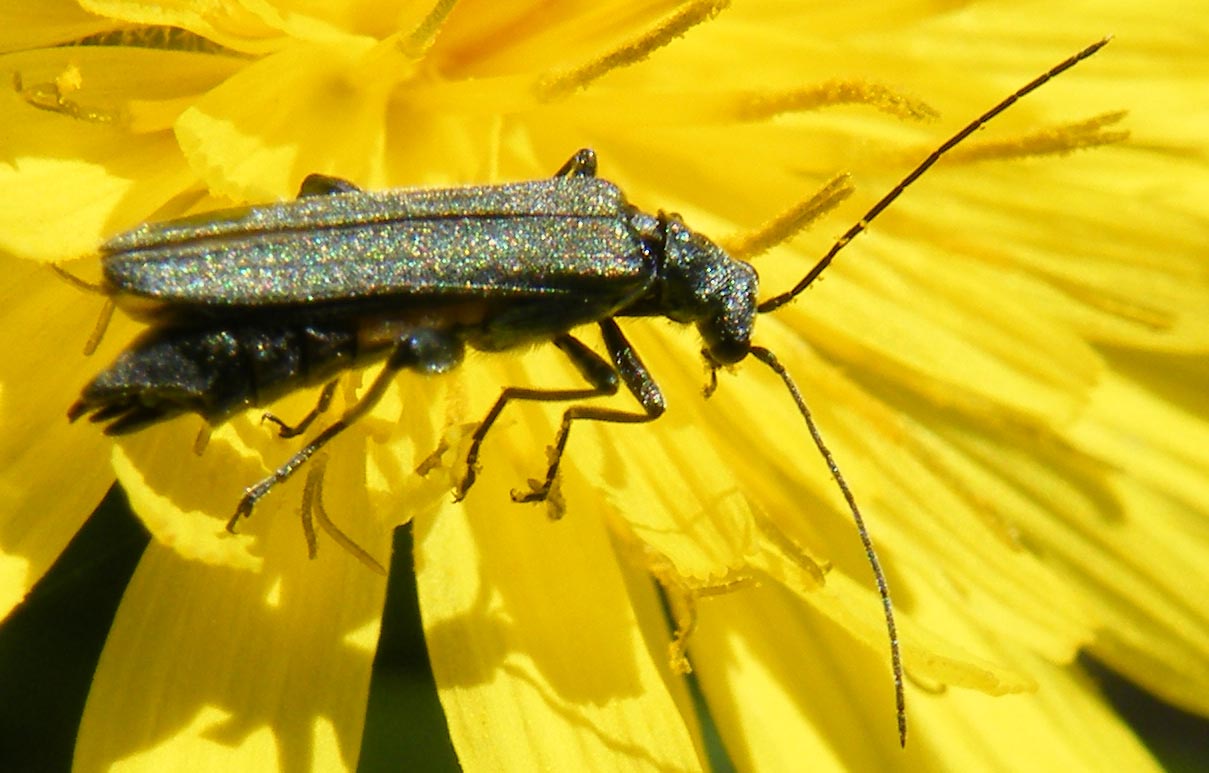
(214,372)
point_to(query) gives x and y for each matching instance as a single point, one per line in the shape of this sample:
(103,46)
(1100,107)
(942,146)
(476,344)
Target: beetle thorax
(701,284)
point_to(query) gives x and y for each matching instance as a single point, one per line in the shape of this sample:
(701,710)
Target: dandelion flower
(1009,367)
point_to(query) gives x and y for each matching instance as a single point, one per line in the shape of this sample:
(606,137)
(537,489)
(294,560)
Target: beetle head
(705,286)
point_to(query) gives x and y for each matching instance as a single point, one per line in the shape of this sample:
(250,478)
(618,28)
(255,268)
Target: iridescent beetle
(248,304)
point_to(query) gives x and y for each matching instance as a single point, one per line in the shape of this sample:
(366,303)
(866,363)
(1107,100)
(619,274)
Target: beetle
(247,304)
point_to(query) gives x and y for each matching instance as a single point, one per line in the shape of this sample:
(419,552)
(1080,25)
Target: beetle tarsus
(244,508)
(285,430)
(538,491)
(459,491)
(712,367)
(596,370)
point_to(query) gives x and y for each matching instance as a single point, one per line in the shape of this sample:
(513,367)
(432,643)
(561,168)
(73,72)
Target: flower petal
(243,137)
(798,691)
(35,25)
(68,184)
(38,381)
(231,24)
(214,667)
(533,641)
(1148,578)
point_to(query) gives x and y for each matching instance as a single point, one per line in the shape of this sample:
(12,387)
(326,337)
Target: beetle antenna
(879,576)
(780,300)
(76,281)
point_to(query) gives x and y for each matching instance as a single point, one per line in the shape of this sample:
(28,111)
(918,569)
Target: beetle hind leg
(425,350)
(293,430)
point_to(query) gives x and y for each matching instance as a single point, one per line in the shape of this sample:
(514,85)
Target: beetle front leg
(637,379)
(582,164)
(595,370)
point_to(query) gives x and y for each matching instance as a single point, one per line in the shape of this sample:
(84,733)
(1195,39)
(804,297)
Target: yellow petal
(67,184)
(538,657)
(33,25)
(39,379)
(233,25)
(798,691)
(215,667)
(243,136)
(1148,579)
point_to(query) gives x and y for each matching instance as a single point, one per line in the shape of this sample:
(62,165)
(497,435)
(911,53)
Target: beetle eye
(727,338)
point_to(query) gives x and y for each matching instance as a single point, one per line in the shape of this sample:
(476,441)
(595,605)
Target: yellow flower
(1009,368)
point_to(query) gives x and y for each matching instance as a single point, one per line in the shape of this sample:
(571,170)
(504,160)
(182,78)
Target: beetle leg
(711,368)
(325,185)
(313,511)
(98,330)
(637,379)
(582,164)
(596,371)
(325,400)
(426,350)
